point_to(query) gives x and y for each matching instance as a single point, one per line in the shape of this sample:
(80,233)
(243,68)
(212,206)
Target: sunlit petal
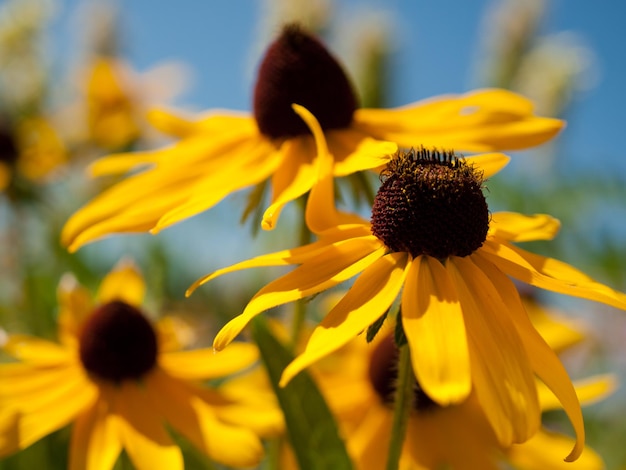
(216,122)
(480,121)
(75,304)
(371,295)
(503,379)
(432,320)
(549,273)
(40,351)
(543,359)
(356,151)
(489,163)
(515,227)
(338,263)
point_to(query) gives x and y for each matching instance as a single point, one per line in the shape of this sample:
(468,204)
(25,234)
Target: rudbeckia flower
(31,149)
(358,383)
(221,153)
(433,244)
(118,380)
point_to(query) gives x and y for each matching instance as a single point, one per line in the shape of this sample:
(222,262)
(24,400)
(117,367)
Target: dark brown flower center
(117,342)
(430,203)
(298,69)
(383,376)
(8,148)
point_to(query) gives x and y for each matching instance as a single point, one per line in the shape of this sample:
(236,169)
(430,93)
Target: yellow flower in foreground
(114,376)
(225,152)
(358,382)
(433,243)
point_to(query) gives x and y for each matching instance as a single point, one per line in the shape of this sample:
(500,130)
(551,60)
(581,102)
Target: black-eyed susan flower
(116,378)
(221,153)
(433,243)
(30,149)
(358,382)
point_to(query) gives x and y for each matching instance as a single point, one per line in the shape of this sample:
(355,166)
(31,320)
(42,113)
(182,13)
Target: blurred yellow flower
(32,149)
(433,242)
(225,152)
(115,377)
(358,382)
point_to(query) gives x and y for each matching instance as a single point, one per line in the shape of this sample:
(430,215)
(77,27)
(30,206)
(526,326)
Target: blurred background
(77,77)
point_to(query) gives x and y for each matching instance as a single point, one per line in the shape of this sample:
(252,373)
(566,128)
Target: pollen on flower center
(298,69)
(383,376)
(430,203)
(117,342)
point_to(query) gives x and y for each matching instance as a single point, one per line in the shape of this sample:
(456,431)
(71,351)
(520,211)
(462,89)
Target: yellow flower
(225,152)
(433,243)
(358,383)
(33,149)
(117,380)
(112,115)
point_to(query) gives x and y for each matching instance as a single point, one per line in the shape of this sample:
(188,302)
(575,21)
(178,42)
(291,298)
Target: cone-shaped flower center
(298,69)
(117,342)
(430,203)
(383,375)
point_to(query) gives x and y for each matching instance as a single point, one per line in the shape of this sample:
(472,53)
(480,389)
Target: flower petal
(124,282)
(356,151)
(197,421)
(95,443)
(480,121)
(338,263)
(544,449)
(142,432)
(432,320)
(515,227)
(371,295)
(290,256)
(549,273)
(489,163)
(35,350)
(320,213)
(543,359)
(205,364)
(214,122)
(589,390)
(75,304)
(503,379)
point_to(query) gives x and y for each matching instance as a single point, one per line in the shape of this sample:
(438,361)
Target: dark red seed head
(9,152)
(117,342)
(298,69)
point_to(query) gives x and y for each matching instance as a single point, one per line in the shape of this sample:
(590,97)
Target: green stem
(403,399)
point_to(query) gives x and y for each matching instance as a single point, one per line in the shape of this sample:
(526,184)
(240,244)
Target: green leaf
(311,428)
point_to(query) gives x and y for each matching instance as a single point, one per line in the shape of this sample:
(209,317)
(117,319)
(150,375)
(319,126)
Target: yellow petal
(488,163)
(589,390)
(142,432)
(545,362)
(480,121)
(211,123)
(371,295)
(121,163)
(558,331)
(515,227)
(291,256)
(250,163)
(432,319)
(356,151)
(124,283)
(39,351)
(340,262)
(544,450)
(197,421)
(503,379)
(368,444)
(321,213)
(95,444)
(549,273)
(205,364)
(75,304)
(293,178)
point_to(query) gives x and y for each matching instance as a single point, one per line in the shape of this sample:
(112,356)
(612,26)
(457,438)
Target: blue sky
(436,53)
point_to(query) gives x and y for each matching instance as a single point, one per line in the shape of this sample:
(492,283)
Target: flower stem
(403,400)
